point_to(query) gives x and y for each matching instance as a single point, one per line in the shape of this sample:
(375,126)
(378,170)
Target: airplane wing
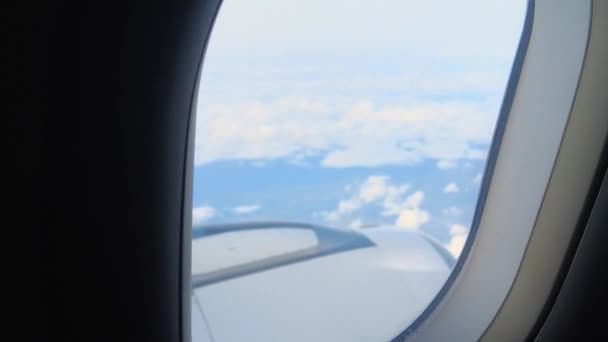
(282,281)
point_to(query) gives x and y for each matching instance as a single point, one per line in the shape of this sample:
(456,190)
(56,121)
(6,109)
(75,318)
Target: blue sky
(347,113)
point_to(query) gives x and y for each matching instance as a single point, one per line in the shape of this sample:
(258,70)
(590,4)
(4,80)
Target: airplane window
(339,152)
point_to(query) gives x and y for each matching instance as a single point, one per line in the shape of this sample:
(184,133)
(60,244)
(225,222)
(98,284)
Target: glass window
(339,152)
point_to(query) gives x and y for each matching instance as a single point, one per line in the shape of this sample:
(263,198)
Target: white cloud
(373,188)
(456,244)
(412,219)
(202,214)
(414,200)
(458,229)
(379,191)
(458,238)
(344,207)
(452,211)
(393,202)
(451,188)
(445,164)
(343,133)
(246,209)
(477,179)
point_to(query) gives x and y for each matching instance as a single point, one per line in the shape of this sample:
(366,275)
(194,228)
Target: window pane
(352,136)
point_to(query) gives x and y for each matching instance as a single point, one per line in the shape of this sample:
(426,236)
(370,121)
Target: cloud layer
(344,134)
